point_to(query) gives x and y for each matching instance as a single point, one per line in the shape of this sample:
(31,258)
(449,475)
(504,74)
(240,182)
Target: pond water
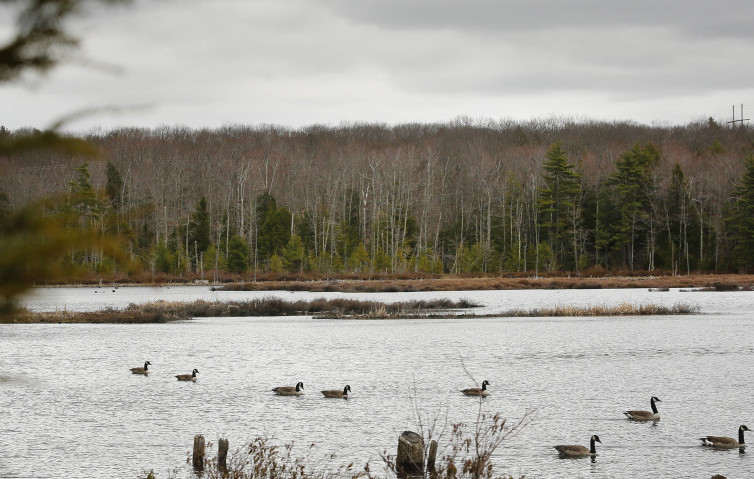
(71,408)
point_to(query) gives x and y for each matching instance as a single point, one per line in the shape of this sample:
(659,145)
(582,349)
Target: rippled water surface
(71,408)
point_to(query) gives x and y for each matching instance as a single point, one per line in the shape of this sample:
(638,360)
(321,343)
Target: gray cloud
(324,61)
(690,17)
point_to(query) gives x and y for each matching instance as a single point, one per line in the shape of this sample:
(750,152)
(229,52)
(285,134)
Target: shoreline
(400,283)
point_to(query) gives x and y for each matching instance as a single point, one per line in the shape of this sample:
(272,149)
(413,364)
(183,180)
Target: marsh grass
(623,309)
(340,308)
(262,459)
(164,311)
(508,281)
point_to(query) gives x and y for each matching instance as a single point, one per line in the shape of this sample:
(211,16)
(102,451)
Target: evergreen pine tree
(632,182)
(293,254)
(741,220)
(199,230)
(238,255)
(274,226)
(557,200)
(114,186)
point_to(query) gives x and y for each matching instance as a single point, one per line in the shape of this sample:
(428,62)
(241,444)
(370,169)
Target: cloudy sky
(301,62)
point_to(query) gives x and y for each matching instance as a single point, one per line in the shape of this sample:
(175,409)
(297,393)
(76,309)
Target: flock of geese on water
(563,450)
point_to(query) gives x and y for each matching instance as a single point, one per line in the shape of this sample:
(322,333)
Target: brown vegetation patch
(623,309)
(163,311)
(459,283)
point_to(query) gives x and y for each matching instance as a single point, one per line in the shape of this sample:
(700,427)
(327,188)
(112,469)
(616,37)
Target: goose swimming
(188,377)
(579,451)
(478,391)
(726,442)
(144,370)
(337,393)
(645,415)
(289,390)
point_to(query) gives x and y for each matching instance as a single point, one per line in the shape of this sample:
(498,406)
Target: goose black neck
(193,373)
(484,386)
(741,435)
(345,390)
(146,366)
(654,408)
(592,449)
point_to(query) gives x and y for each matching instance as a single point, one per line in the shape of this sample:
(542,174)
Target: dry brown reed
(163,311)
(623,309)
(339,308)
(491,282)
(262,459)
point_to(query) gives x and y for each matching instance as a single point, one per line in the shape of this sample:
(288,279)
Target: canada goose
(337,393)
(143,370)
(289,390)
(188,377)
(717,441)
(579,451)
(477,391)
(645,415)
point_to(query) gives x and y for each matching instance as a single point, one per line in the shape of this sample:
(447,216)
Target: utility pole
(741,120)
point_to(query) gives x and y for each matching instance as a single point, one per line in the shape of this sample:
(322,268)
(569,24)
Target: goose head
(299,386)
(346,390)
(193,373)
(485,383)
(592,449)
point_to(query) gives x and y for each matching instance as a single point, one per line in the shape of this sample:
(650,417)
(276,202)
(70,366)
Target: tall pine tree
(557,201)
(741,220)
(632,182)
(199,231)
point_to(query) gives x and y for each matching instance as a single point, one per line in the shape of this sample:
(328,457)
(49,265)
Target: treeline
(465,196)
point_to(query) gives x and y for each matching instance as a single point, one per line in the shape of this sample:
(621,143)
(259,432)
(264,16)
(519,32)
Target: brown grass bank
(164,311)
(407,282)
(457,283)
(624,309)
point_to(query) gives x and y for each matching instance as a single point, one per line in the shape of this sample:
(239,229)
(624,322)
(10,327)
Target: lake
(71,407)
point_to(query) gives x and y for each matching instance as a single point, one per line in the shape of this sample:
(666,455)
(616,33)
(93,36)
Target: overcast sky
(301,62)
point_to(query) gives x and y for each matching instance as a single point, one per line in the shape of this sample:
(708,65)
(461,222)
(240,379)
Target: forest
(467,196)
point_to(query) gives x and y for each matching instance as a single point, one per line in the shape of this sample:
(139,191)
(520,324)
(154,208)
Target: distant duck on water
(143,371)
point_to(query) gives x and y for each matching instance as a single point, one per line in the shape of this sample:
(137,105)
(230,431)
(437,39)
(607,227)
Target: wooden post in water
(198,457)
(222,455)
(410,459)
(432,456)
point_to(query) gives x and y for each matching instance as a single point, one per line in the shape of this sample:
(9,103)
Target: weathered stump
(222,455)
(410,459)
(198,457)
(432,456)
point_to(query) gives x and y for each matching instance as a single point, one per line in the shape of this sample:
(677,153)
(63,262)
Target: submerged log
(410,458)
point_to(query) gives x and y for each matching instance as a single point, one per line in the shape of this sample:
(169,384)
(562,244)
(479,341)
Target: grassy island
(164,311)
